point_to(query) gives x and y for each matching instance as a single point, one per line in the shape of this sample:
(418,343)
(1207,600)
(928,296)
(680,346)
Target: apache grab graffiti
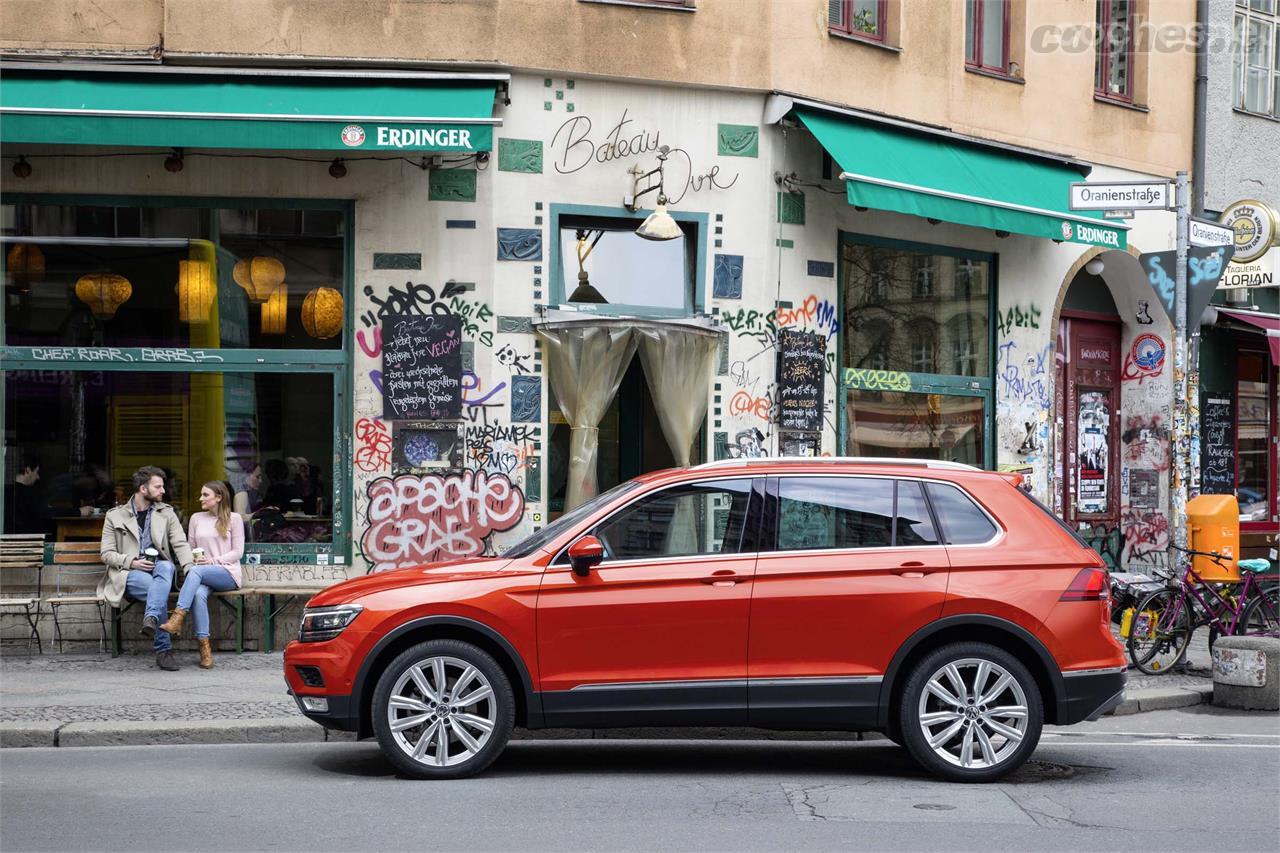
(420,519)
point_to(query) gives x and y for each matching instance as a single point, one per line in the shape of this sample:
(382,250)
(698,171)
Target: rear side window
(822,513)
(963,523)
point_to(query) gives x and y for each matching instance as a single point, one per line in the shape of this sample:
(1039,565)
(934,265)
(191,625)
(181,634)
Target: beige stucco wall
(750,44)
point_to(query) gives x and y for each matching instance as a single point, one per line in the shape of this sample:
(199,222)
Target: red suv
(931,601)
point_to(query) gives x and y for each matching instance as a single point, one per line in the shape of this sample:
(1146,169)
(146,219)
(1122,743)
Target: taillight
(1088,585)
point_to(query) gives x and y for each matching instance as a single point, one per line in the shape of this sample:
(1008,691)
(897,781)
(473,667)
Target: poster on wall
(802,359)
(1217,445)
(1093,452)
(422,367)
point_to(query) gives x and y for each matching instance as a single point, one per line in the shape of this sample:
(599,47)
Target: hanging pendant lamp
(275,311)
(259,277)
(196,291)
(103,292)
(322,313)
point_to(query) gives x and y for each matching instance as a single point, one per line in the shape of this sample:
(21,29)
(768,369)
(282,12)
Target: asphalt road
(1197,779)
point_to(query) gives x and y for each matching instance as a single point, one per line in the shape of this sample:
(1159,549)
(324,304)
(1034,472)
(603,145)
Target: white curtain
(586,365)
(679,363)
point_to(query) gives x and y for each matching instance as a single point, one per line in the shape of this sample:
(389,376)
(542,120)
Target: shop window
(1256,57)
(268,435)
(1113,70)
(863,19)
(603,266)
(916,371)
(986,35)
(1255,428)
(195,277)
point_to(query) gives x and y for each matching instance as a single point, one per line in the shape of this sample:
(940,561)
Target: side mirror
(585,553)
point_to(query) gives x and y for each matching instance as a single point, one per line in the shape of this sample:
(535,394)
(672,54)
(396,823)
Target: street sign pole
(1185,412)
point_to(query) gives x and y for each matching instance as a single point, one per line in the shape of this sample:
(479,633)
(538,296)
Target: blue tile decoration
(825,269)
(533,480)
(397,260)
(537,270)
(526,399)
(728,277)
(519,244)
(459,223)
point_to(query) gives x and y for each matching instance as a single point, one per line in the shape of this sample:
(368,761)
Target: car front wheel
(443,710)
(970,712)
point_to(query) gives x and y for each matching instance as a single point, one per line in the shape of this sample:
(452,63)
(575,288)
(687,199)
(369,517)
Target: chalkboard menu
(1217,445)
(802,361)
(422,367)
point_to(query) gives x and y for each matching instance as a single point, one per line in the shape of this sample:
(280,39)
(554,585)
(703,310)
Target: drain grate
(1041,771)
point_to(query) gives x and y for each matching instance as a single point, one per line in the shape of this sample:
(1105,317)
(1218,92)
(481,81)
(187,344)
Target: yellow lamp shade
(196,291)
(259,277)
(322,312)
(103,292)
(25,262)
(275,311)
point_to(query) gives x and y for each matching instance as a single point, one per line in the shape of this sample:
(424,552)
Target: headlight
(325,623)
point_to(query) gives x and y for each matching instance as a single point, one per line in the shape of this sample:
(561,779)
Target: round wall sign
(353,135)
(1255,224)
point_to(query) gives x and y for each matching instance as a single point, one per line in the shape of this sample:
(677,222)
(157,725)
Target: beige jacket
(120,545)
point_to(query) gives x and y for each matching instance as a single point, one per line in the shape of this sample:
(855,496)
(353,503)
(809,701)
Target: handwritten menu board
(422,367)
(1217,445)
(802,360)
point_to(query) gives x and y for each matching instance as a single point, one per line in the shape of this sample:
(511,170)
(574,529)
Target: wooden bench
(234,599)
(24,551)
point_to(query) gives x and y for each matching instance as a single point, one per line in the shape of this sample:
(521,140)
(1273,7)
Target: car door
(850,566)
(656,634)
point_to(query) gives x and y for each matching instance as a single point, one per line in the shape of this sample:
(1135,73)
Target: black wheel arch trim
(533,704)
(889,684)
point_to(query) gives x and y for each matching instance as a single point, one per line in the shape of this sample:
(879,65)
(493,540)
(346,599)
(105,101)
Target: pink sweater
(202,532)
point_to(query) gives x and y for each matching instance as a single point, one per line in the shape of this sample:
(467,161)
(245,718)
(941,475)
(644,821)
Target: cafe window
(917,378)
(206,339)
(600,264)
(1255,433)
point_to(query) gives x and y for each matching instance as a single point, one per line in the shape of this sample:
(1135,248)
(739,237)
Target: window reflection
(922,426)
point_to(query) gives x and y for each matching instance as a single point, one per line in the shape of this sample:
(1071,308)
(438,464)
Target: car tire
(967,738)
(423,729)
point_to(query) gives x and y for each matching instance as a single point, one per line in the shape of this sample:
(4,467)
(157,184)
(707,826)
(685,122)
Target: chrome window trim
(818,680)
(999,535)
(1106,670)
(749,478)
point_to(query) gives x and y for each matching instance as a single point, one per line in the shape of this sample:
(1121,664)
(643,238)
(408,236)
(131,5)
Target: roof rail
(869,460)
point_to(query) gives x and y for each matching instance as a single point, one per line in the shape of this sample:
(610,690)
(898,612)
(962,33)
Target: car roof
(818,464)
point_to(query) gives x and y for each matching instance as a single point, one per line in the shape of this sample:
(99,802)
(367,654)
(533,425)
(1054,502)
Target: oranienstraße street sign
(1205,233)
(1130,195)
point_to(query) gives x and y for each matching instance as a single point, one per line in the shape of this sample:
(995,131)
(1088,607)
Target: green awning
(248,109)
(886,168)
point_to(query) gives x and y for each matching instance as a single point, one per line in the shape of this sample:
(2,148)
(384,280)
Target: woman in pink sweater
(220,532)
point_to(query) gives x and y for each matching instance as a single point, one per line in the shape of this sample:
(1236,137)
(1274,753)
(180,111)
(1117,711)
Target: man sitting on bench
(140,523)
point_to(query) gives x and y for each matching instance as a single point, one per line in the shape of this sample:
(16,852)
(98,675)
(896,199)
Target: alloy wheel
(442,711)
(973,713)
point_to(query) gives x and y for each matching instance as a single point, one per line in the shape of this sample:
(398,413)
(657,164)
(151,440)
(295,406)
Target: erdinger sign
(1255,224)
(420,138)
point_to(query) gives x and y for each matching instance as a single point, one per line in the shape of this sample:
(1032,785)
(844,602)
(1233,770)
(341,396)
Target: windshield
(527,546)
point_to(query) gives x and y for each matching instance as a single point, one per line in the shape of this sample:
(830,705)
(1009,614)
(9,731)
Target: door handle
(724,577)
(905,569)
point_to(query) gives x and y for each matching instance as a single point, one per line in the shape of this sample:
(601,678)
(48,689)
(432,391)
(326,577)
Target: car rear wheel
(970,712)
(443,710)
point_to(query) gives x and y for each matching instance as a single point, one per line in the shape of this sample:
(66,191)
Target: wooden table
(72,527)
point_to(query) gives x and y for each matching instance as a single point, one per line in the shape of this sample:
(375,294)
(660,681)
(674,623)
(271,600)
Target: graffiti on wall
(1018,317)
(1145,358)
(373,445)
(1022,378)
(416,519)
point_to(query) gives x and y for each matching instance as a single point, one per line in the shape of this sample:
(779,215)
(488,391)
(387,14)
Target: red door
(1090,376)
(668,604)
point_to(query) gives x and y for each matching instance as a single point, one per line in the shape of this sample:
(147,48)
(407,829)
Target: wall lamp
(659,225)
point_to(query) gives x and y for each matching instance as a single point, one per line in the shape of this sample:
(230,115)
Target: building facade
(872,254)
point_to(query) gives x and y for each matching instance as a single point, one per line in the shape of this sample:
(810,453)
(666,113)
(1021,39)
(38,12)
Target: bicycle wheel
(1161,632)
(1262,616)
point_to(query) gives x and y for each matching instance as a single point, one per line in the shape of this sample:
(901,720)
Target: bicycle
(1162,624)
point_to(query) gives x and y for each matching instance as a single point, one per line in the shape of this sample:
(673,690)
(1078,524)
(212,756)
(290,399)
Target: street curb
(296,729)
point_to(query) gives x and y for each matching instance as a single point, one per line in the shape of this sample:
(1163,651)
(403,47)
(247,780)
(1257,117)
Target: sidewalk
(94,700)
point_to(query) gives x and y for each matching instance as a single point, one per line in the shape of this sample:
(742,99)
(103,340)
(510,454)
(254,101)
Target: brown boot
(206,653)
(174,625)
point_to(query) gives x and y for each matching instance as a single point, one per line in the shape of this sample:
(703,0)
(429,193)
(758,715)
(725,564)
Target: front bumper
(1089,694)
(338,715)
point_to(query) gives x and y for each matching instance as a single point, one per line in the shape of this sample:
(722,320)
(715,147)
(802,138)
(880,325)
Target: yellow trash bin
(1214,525)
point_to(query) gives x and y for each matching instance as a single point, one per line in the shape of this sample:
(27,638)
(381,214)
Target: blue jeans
(153,587)
(200,581)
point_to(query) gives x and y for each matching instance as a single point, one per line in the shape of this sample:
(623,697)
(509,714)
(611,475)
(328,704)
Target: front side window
(825,513)
(963,523)
(1113,72)
(1256,57)
(986,38)
(858,18)
(682,521)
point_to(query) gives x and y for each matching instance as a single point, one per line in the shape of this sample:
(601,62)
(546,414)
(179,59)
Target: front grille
(310,676)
